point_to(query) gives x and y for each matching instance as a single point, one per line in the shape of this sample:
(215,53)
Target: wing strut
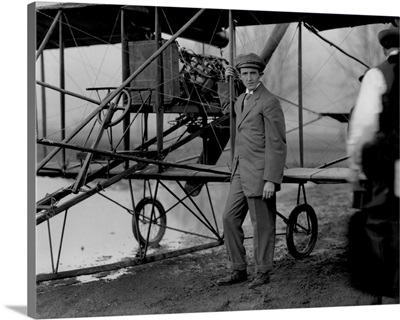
(300,88)
(232,45)
(48,35)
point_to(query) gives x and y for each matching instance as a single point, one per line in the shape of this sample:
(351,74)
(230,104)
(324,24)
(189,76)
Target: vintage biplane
(126,137)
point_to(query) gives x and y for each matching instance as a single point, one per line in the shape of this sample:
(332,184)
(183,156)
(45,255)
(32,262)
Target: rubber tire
(311,229)
(161,217)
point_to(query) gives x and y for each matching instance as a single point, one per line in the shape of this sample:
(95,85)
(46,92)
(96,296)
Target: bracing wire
(80,52)
(204,102)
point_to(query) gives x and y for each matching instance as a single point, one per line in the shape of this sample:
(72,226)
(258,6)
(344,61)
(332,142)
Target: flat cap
(389,38)
(250,60)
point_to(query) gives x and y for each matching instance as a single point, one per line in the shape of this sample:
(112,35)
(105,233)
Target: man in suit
(257,172)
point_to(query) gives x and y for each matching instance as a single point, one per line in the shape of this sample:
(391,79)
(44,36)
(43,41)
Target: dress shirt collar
(392,53)
(252,91)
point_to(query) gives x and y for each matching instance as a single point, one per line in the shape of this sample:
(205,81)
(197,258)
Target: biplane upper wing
(87,31)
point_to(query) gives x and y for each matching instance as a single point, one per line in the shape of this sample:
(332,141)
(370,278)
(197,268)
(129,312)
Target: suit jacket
(260,145)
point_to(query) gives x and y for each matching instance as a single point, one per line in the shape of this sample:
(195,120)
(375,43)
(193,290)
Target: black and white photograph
(211,161)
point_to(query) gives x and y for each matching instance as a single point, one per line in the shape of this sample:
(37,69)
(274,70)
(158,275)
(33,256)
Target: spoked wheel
(143,220)
(301,231)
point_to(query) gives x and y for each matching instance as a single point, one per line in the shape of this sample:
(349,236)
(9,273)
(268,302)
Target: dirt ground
(186,284)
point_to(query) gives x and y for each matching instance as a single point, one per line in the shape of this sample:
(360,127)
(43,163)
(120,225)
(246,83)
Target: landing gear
(301,231)
(149,222)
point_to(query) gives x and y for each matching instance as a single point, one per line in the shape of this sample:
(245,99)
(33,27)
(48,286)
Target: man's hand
(269,190)
(354,178)
(230,71)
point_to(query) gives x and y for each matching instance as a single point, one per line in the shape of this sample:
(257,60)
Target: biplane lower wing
(316,175)
(292,175)
(181,174)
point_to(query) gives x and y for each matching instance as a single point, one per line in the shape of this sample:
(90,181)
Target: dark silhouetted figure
(373,147)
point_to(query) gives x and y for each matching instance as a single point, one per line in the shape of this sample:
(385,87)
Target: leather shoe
(236,276)
(260,279)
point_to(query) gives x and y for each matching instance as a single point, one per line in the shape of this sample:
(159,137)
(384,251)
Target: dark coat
(260,144)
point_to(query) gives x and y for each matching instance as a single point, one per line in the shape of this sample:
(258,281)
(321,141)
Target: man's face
(250,77)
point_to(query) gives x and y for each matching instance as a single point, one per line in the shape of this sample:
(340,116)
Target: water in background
(99,231)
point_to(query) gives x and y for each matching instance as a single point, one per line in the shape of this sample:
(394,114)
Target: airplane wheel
(142,221)
(301,231)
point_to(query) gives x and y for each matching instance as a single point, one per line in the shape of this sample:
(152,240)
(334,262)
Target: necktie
(245,100)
